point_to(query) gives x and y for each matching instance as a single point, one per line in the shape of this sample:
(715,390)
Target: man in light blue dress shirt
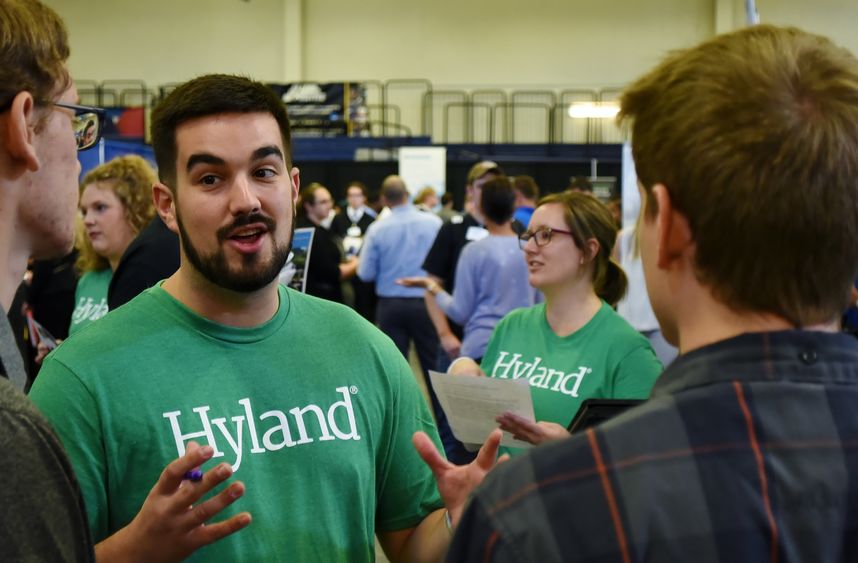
(394,248)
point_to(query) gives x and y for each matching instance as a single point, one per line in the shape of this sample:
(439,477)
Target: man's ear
(165,205)
(295,178)
(673,230)
(18,131)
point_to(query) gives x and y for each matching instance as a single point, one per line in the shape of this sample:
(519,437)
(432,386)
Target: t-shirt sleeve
(407,491)
(69,406)
(463,302)
(636,373)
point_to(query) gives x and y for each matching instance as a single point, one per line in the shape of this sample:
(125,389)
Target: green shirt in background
(606,358)
(90,298)
(314,409)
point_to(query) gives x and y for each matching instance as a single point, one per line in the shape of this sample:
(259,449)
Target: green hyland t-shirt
(314,409)
(606,358)
(90,298)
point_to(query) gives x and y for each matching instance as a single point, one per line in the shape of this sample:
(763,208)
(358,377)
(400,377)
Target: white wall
(453,43)
(498,42)
(833,18)
(162,41)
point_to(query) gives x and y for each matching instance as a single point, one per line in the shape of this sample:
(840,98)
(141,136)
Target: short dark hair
(762,164)
(526,186)
(497,202)
(211,94)
(308,196)
(580,184)
(393,190)
(33,49)
(356,184)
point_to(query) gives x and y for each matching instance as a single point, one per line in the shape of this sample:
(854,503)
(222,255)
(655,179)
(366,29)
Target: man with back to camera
(222,355)
(526,196)
(42,515)
(393,249)
(746,449)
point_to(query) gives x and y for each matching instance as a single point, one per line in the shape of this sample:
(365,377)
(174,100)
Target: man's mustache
(244,220)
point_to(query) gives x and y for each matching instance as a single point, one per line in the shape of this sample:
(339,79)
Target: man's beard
(253,274)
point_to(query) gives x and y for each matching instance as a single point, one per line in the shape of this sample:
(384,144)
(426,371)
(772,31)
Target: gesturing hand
(532,432)
(169,526)
(456,482)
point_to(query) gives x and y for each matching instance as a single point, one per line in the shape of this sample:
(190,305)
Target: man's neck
(702,320)
(713,322)
(221,305)
(500,230)
(14,253)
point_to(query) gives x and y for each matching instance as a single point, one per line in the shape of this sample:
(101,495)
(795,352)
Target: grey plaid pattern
(746,452)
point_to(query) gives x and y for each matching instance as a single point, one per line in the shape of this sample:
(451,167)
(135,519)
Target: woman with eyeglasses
(115,203)
(574,346)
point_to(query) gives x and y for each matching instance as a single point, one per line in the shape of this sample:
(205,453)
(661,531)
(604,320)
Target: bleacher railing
(406,107)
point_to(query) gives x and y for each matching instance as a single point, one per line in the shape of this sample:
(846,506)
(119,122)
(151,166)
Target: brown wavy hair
(33,49)
(130,178)
(588,218)
(754,134)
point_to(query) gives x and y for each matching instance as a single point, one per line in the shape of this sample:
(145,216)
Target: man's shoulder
(322,317)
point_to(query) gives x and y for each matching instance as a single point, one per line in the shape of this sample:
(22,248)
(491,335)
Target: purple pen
(194,475)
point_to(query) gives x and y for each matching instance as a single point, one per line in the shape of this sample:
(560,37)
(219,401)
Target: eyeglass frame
(79,110)
(525,236)
(100,118)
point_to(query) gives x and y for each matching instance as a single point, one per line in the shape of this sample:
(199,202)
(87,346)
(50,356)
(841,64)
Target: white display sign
(423,166)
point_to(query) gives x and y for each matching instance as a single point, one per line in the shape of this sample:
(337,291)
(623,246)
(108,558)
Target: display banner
(332,109)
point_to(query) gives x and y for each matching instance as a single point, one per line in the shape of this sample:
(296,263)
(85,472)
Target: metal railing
(406,107)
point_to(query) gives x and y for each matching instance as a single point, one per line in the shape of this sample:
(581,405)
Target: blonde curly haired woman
(115,203)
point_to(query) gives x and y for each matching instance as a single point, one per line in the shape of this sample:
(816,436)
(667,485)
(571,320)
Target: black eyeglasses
(541,236)
(87,124)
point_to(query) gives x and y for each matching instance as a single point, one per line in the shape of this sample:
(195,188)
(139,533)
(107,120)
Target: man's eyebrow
(204,158)
(269,150)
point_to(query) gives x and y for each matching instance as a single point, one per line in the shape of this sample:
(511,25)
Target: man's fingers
(175,471)
(191,492)
(210,533)
(489,452)
(429,453)
(203,512)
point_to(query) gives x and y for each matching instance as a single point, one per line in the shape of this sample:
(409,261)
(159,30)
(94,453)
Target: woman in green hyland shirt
(574,346)
(115,203)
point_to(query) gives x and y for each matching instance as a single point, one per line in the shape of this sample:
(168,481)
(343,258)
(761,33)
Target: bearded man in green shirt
(220,354)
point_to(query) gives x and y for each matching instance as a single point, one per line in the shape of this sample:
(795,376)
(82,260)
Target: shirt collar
(793,355)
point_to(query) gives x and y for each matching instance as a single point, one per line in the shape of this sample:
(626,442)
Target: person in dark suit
(151,257)
(350,225)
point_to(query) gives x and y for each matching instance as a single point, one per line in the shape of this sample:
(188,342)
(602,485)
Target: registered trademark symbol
(353,390)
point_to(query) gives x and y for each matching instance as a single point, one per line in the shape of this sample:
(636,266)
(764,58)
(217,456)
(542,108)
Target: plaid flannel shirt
(746,451)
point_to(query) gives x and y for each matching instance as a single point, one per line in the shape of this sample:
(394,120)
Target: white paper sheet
(473,403)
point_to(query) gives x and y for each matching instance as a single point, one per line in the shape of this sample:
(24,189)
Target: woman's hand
(465,366)
(415,281)
(531,432)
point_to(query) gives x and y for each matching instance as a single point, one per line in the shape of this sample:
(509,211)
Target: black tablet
(594,411)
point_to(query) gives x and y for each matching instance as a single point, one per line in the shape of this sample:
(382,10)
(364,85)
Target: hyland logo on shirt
(87,309)
(511,366)
(274,436)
